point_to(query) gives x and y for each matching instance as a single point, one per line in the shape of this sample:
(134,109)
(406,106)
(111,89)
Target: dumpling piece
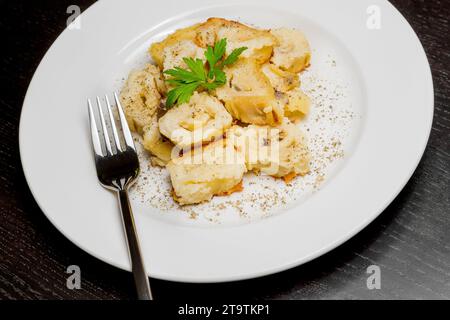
(200,174)
(276,151)
(159,50)
(259,43)
(202,119)
(293,53)
(248,94)
(174,55)
(192,42)
(281,80)
(140,97)
(159,146)
(294,154)
(298,105)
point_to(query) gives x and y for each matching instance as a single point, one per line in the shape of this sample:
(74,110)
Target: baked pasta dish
(221,99)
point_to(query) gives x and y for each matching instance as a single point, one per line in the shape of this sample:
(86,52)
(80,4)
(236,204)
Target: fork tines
(111,146)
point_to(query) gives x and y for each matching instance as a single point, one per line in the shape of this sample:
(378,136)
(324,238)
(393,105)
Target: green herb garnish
(206,75)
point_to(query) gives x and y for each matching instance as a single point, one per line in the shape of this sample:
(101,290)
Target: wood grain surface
(410,241)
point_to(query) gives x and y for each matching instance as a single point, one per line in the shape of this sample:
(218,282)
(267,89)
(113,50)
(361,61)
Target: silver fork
(117,169)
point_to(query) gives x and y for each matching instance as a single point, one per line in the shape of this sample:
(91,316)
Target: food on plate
(200,174)
(248,94)
(159,146)
(222,99)
(166,49)
(293,52)
(141,96)
(277,151)
(259,43)
(281,81)
(199,120)
(297,106)
(191,42)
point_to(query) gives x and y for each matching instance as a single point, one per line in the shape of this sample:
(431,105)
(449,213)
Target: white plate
(380,78)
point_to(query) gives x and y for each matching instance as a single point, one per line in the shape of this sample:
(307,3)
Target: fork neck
(121,184)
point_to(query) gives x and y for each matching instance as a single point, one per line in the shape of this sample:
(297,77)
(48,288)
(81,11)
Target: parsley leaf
(207,75)
(187,92)
(197,67)
(234,55)
(220,48)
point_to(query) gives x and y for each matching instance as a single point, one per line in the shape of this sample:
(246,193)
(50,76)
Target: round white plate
(364,52)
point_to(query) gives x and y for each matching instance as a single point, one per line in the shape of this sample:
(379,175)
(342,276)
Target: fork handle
(137,263)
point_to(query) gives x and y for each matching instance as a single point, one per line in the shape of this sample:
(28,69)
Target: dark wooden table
(410,241)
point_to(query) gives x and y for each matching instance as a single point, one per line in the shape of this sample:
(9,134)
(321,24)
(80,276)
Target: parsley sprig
(207,75)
